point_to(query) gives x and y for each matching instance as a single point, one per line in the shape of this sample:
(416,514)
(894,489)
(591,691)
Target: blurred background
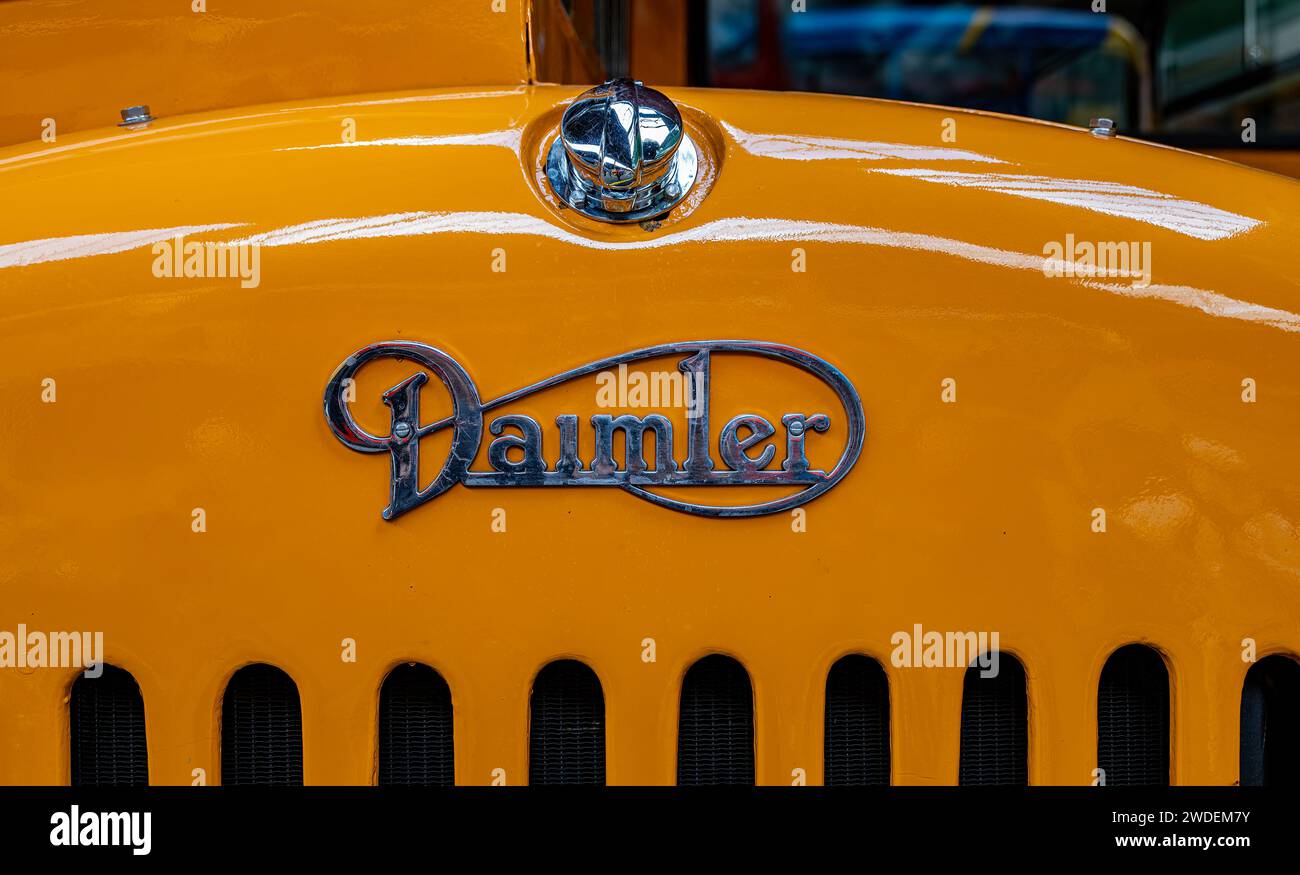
(1185,72)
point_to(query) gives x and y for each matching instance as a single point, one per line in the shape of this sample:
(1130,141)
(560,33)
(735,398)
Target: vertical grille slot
(566,737)
(106,717)
(994,730)
(857,723)
(415,729)
(715,732)
(1133,718)
(1270,723)
(261,729)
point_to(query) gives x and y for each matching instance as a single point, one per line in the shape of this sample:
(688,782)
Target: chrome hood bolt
(622,154)
(135,115)
(1103,127)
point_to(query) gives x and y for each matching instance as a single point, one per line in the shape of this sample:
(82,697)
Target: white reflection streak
(1192,218)
(797,148)
(163,133)
(1207,302)
(505,139)
(81,245)
(746,229)
(425,98)
(721,231)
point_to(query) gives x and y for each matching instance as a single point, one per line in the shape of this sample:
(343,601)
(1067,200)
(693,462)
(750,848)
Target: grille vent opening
(566,737)
(1133,718)
(1270,723)
(106,717)
(857,723)
(415,729)
(261,729)
(715,733)
(994,728)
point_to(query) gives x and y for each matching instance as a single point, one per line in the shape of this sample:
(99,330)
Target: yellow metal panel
(1283,161)
(78,62)
(1072,394)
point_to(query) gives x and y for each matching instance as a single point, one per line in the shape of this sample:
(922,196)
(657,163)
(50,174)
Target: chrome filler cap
(622,154)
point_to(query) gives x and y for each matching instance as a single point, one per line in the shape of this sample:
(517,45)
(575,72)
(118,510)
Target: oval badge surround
(699,468)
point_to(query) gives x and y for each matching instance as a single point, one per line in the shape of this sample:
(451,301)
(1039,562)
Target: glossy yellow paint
(78,62)
(1283,161)
(175,394)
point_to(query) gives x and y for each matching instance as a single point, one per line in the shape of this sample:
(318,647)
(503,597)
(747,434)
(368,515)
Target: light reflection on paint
(1192,218)
(82,245)
(161,131)
(746,229)
(801,148)
(506,139)
(736,230)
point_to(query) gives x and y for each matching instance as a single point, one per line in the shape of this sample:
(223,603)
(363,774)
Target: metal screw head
(135,115)
(1103,127)
(402,430)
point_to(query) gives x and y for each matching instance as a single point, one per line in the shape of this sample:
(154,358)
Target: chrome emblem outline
(466,421)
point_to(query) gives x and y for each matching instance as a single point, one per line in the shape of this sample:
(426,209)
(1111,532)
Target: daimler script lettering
(747,445)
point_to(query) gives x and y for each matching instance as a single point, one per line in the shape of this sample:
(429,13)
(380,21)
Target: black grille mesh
(857,723)
(994,732)
(107,729)
(566,736)
(415,729)
(1270,723)
(715,732)
(1133,718)
(261,729)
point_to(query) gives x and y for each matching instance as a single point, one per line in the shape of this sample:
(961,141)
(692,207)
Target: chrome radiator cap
(622,154)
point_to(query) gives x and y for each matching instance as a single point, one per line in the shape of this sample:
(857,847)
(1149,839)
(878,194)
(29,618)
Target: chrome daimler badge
(737,441)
